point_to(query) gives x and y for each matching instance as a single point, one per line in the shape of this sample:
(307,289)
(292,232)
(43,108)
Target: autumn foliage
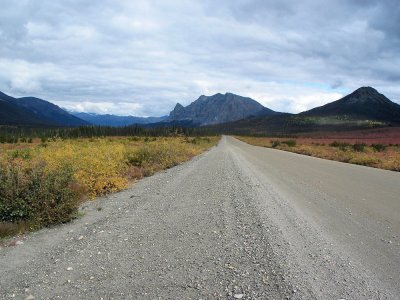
(367,152)
(44,183)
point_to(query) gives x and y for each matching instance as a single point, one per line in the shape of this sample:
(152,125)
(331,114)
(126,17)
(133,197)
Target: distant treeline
(11,134)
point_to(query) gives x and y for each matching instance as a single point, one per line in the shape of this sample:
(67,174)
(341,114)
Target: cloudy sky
(141,57)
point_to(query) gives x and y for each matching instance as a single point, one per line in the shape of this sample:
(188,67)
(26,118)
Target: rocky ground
(230,224)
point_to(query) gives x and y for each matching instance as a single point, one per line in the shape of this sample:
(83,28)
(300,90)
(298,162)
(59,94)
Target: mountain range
(228,112)
(30,111)
(363,108)
(116,121)
(35,112)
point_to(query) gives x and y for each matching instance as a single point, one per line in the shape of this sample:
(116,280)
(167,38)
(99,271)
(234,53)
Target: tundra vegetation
(43,181)
(377,154)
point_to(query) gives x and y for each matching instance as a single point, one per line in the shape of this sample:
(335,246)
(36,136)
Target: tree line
(14,134)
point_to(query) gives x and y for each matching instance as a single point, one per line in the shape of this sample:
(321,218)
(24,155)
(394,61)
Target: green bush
(139,157)
(153,156)
(341,145)
(290,143)
(158,155)
(336,144)
(359,147)
(21,153)
(29,193)
(378,147)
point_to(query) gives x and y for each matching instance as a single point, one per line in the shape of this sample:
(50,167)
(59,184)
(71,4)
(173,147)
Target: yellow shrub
(98,165)
(101,165)
(44,184)
(161,154)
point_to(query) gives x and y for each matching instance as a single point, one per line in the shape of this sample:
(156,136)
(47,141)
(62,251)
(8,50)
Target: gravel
(217,227)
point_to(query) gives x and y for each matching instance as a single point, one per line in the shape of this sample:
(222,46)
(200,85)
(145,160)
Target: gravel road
(237,222)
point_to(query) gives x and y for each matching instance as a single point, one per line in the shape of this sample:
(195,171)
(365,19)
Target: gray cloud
(141,57)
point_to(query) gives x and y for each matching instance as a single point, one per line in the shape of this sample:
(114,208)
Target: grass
(43,183)
(375,155)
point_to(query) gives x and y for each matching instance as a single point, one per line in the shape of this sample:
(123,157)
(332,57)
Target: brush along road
(238,222)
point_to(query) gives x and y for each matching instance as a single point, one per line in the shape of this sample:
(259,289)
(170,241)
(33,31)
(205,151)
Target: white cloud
(294,97)
(24,77)
(118,108)
(147,55)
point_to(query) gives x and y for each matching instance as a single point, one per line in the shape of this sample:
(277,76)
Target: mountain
(30,111)
(362,109)
(116,121)
(219,108)
(13,114)
(49,111)
(363,103)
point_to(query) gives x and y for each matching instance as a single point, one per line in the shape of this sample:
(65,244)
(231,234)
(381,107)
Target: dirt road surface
(238,222)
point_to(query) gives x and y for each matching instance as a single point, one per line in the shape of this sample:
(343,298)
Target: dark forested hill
(46,110)
(30,111)
(363,103)
(13,114)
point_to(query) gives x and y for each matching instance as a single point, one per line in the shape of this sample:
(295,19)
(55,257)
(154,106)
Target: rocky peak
(178,106)
(365,95)
(219,108)
(177,111)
